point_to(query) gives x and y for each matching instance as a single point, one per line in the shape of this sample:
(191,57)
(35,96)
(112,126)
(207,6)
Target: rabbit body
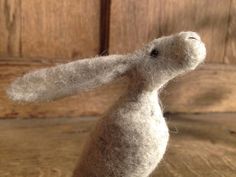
(129,141)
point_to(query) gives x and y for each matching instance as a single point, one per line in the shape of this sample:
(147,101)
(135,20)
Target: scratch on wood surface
(228,162)
(219,173)
(189,167)
(204,159)
(171,170)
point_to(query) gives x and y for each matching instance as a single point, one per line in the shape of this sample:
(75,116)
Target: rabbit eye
(154,53)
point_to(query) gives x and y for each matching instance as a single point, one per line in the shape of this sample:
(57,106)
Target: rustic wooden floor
(200,146)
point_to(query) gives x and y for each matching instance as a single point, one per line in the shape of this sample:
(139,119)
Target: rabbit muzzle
(193,49)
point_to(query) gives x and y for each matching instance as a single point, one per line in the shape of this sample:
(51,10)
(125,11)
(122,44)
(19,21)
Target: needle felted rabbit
(131,138)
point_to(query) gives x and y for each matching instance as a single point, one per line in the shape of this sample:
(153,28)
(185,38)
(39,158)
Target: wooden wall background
(41,33)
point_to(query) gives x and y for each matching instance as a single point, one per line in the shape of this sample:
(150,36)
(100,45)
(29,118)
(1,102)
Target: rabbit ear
(67,79)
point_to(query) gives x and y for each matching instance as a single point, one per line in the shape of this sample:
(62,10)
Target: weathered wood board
(200,145)
(60,29)
(211,88)
(10,28)
(230,57)
(133,23)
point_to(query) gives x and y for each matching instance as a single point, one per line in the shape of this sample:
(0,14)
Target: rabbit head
(166,57)
(154,65)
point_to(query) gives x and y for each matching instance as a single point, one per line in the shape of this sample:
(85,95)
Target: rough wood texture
(156,18)
(200,145)
(59,28)
(212,88)
(230,57)
(10,28)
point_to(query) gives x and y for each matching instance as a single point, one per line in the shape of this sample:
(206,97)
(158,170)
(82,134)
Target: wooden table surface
(202,145)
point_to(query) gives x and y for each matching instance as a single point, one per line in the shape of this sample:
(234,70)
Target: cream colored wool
(131,138)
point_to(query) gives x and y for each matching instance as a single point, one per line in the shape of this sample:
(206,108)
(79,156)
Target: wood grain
(10,28)
(60,29)
(133,23)
(230,57)
(212,88)
(200,145)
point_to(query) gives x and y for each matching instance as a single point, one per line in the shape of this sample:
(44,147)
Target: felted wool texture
(131,138)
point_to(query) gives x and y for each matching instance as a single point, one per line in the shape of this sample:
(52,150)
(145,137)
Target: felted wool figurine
(131,138)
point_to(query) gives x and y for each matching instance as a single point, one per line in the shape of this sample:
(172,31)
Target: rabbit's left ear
(67,79)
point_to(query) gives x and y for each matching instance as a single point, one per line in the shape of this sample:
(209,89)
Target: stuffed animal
(131,138)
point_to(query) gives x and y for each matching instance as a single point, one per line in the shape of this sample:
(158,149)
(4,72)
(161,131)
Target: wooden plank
(211,88)
(94,102)
(230,57)
(200,145)
(10,28)
(60,29)
(133,23)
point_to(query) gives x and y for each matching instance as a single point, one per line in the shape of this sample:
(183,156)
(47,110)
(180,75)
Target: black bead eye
(154,53)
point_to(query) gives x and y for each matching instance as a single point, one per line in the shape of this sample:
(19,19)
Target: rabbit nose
(190,36)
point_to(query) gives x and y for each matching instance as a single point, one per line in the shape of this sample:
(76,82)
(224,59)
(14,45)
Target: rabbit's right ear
(67,79)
